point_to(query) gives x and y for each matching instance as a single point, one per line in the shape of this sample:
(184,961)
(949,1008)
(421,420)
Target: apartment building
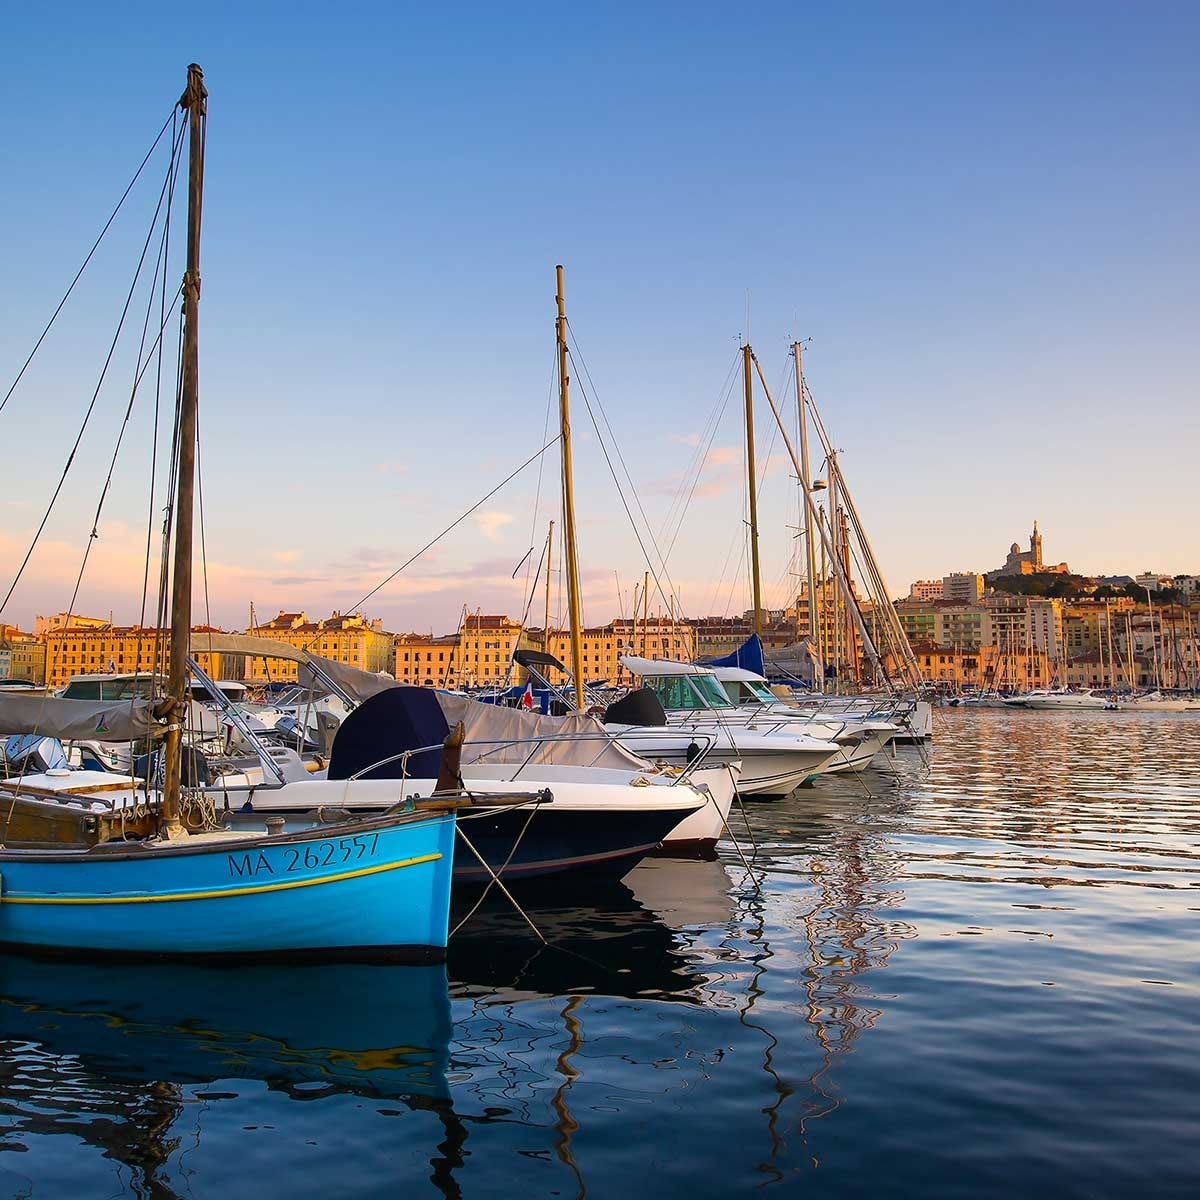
(345,638)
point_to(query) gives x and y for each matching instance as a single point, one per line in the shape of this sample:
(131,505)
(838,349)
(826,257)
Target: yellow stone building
(351,639)
(23,656)
(480,653)
(92,649)
(423,660)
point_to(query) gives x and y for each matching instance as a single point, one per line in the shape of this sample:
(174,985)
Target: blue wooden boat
(375,887)
(76,879)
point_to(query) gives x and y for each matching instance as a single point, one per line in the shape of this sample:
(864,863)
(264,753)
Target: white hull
(1067,701)
(772,764)
(1157,704)
(571,787)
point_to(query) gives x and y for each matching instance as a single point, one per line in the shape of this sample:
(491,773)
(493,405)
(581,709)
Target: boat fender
(693,752)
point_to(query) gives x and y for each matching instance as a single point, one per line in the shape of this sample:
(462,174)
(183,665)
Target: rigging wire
(453,524)
(94,536)
(705,445)
(537,495)
(164,557)
(156,432)
(660,570)
(142,366)
(95,245)
(96,393)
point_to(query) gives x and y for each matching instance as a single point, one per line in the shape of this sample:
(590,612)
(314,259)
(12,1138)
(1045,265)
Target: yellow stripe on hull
(221,895)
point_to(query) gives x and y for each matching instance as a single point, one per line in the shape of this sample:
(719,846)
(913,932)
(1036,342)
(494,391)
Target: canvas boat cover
(749,656)
(357,684)
(404,718)
(74,720)
(655,668)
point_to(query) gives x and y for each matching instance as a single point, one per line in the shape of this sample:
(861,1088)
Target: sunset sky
(981,220)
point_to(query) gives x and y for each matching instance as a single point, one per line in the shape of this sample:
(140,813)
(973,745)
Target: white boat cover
(653,668)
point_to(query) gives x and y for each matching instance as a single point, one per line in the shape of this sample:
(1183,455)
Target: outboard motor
(28,754)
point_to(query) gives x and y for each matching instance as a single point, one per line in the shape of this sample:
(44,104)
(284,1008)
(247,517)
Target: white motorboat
(860,735)
(775,759)
(1066,700)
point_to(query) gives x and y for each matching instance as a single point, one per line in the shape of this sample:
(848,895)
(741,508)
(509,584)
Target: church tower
(1035,548)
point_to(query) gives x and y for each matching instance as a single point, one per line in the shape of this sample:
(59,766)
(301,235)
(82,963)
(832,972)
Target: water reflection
(818,933)
(969,972)
(1086,799)
(690,999)
(111,1054)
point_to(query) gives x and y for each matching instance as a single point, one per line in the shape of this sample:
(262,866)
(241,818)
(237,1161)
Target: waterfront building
(345,638)
(942,624)
(424,660)
(22,656)
(91,649)
(953,668)
(477,655)
(603,645)
(45,625)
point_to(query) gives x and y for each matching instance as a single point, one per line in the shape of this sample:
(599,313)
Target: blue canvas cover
(748,656)
(387,724)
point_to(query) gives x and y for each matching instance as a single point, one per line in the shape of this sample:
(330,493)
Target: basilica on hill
(1028,562)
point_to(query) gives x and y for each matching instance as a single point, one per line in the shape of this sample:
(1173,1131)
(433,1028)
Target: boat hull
(598,820)
(371,888)
(601,842)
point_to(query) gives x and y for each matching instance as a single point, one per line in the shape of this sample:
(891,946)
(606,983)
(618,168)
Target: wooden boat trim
(224,893)
(8,788)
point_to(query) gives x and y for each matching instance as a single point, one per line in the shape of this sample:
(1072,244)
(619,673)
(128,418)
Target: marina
(621,831)
(972,975)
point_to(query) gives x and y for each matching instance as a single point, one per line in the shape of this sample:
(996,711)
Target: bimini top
(652,668)
(738,675)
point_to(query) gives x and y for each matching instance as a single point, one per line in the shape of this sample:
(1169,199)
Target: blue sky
(981,219)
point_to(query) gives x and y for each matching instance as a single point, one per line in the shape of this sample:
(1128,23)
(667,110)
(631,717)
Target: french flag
(527,695)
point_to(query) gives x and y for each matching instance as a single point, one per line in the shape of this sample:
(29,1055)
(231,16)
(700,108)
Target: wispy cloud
(492,522)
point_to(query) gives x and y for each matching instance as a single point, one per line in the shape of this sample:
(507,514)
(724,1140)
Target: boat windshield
(688,692)
(759,690)
(128,688)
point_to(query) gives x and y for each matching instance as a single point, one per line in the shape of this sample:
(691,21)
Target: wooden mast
(194,101)
(568,487)
(549,568)
(755,581)
(645,613)
(810,550)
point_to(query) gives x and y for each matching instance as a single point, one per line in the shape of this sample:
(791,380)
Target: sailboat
(610,807)
(86,870)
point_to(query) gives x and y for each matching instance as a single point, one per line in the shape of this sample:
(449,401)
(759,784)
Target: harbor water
(970,971)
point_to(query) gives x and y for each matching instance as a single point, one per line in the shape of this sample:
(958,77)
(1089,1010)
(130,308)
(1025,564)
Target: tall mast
(549,569)
(645,613)
(835,553)
(568,486)
(810,550)
(194,101)
(1153,640)
(755,581)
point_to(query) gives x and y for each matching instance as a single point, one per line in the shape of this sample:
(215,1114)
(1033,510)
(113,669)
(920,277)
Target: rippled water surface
(971,971)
